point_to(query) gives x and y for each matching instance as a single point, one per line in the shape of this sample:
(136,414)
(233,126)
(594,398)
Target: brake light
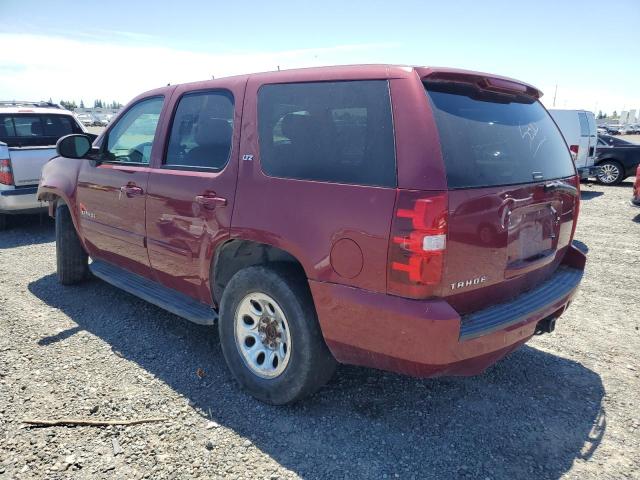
(417,245)
(6,174)
(574,152)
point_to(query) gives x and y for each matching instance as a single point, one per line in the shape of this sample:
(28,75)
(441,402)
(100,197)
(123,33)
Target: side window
(131,138)
(201,131)
(28,126)
(338,132)
(584,125)
(59,125)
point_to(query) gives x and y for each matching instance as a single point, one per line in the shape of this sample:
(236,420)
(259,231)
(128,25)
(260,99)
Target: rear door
(593,138)
(318,175)
(191,192)
(585,153)
(512,193)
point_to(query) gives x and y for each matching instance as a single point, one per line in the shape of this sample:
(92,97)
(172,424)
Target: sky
(114,50)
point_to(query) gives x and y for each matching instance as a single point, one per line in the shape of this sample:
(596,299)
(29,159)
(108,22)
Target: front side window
(338,132)
(131,138)
(201,131)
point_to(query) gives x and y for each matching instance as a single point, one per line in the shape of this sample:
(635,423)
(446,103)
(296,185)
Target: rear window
(584,125)
(338,132)
(490,139)
(31,130)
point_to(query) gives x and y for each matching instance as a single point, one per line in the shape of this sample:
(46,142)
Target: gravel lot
(564,406)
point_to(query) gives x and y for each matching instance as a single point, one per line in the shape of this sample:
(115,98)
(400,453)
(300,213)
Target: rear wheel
(270,335)
(3,221)
(72,260)
(610,173)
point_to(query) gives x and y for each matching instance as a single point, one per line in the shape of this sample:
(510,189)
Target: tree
(81,104)
(600,115)
(68,105)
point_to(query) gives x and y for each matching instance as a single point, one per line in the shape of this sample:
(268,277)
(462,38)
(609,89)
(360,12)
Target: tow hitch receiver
(546,325)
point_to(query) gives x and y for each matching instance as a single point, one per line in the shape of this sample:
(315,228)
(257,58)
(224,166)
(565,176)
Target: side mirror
(73,146)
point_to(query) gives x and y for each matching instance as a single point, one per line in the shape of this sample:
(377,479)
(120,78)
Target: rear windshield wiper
(562,186)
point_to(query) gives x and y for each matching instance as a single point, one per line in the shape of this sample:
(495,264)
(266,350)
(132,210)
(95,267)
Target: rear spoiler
(482,81)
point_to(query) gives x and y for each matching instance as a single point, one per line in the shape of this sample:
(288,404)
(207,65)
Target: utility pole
(554,95)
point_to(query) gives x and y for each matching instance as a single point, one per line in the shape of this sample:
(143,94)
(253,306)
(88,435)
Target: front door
(191,191)
(111,191)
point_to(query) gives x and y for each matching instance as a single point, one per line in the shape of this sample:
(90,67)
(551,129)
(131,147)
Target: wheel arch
(239,253)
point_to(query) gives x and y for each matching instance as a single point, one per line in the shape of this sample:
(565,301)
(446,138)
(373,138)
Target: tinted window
(332,131)
(201,131)
(490,139)
(31,130)
(584,124)
(131,138)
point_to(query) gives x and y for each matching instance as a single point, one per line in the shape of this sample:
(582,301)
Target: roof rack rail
(20,103)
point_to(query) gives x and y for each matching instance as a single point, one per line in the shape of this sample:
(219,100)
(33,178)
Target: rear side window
(33,130)
(490,139)
(338,132)
(202,130)
(584,124)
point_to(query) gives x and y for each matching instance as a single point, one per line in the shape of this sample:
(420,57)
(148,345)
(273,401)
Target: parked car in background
(613,129)
(617,159)
(579,130)
(28,135)
(635,199)
(86,119)
(628,130)
(418,220)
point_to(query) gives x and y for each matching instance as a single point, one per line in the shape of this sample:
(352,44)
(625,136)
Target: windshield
(489,139)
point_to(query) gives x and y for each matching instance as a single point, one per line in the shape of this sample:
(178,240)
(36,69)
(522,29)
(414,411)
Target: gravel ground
(564,406)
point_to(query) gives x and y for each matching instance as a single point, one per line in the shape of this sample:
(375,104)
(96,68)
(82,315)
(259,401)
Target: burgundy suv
(417,220)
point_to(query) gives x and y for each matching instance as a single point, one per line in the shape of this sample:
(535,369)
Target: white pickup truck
(28,135)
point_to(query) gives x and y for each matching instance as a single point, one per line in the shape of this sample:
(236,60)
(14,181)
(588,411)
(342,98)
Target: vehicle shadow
(590,194)
(636,219)
(27,230)
(530,416)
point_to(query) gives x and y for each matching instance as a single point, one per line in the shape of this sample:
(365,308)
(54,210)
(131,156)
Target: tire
(3,221)
(72,260)
(304,362)
(611,173)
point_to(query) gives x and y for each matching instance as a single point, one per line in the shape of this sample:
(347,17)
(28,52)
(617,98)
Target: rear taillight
(6,174)
(574,152)
(417,244)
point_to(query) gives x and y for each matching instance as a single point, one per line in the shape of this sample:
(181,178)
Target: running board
(161,296)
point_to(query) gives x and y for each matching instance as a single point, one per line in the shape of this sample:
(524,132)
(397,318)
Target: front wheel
(610,173)
(72,260)
(270,336)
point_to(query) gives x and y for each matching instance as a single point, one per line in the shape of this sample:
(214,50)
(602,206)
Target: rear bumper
(427,338)
(20,200)
(588,172)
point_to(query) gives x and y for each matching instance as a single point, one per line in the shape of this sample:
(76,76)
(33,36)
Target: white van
(580,132)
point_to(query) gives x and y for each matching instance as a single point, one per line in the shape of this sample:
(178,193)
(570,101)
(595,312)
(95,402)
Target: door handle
(131,190)
(211,201)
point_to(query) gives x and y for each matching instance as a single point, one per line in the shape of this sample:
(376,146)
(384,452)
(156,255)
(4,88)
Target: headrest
(297,128)
(36,128)
(213,131)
